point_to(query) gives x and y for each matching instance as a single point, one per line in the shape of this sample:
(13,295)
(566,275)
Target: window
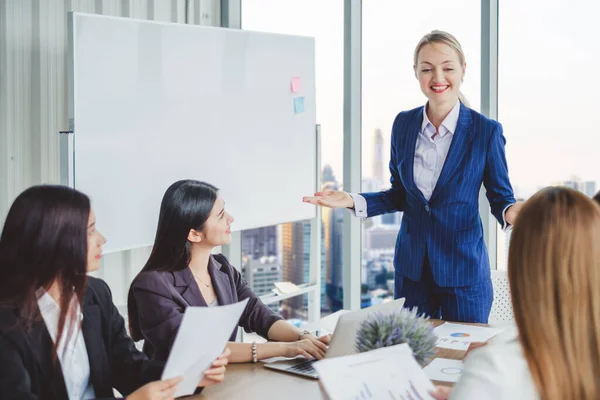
(391,29)
(288,245)
(546,101)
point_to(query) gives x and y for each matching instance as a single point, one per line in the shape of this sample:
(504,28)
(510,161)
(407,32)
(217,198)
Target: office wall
(33,95)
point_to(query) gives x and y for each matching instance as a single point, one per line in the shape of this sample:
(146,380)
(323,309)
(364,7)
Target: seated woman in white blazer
(554,274)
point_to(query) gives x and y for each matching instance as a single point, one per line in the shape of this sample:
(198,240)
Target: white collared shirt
(72,353)
(432,149)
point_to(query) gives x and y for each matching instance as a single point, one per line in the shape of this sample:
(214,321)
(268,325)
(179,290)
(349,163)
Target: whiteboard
(153,103)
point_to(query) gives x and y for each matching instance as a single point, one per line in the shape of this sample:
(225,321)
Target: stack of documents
(285,288)
(191,354)
(386,373)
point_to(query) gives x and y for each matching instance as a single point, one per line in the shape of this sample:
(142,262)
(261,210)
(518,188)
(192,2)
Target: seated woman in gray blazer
(182,272)
(553,270)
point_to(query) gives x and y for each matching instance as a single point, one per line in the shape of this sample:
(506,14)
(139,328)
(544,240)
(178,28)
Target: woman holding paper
(554,278)
(441,154)
(61,337)
(183,272)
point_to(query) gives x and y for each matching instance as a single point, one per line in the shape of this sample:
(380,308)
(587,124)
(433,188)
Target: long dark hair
(185,205)
(44,240)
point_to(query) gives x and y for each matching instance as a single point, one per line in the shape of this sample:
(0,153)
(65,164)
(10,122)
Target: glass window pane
(546,99)
(322,20)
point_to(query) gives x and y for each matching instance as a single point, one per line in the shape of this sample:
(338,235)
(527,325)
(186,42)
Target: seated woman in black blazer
(182,272)
(61,337)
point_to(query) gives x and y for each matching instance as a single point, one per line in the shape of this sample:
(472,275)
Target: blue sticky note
(298,105)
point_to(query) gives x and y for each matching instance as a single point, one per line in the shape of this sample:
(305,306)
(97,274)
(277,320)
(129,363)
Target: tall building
(372,185)
(382,238)
(260,242)
(332,222)
(587,187)
(328,175)
(332,225)
(590,188)
(261,275)
(325,308)
(295,263)
(375,274)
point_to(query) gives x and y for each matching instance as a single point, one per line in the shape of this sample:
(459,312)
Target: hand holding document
(201,338)
(386,373)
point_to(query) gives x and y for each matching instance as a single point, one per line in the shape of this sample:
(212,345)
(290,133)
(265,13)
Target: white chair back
(502,311)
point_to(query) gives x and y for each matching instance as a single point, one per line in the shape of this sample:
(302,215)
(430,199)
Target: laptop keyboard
(304,368)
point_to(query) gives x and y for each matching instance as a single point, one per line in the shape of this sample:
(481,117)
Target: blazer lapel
(91,328)
(412,132)
(460,143)
(43,349)
(220,282)
(184,281)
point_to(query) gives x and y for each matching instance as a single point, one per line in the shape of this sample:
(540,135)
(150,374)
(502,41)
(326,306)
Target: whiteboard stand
(66,158)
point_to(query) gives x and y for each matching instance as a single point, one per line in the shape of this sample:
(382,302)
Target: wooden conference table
(252,381)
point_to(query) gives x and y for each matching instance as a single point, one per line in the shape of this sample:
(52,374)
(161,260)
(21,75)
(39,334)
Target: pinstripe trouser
(459,304)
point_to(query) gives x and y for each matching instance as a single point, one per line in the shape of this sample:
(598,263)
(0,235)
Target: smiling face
(440,71)
(95,242)
(217,228)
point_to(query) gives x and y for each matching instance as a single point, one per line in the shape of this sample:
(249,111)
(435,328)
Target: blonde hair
(447,39)
(554,274)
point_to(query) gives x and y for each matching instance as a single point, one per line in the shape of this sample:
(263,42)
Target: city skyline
(282,253)
(544,102)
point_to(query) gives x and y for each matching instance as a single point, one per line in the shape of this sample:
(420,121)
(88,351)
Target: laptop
(342,342)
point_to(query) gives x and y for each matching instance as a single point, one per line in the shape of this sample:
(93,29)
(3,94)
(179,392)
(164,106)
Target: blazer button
(427,208)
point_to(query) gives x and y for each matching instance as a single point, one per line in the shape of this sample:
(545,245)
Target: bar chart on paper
(365,392)
(409,393)
(389,373)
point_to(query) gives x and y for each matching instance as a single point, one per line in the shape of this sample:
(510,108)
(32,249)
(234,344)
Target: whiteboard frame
(71,177)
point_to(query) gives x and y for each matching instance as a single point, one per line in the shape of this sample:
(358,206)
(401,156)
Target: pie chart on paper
(460,334)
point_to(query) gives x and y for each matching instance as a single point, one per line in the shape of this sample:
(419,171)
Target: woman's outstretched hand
(512,213)
(331,199)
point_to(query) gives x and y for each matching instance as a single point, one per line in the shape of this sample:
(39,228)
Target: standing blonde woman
(554,274)
(441,153)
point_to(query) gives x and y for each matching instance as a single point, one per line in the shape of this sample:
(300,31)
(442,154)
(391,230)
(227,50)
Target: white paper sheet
(201,338)
(453,344)
(387,373)
(286,287)
(469,333)
(444,370)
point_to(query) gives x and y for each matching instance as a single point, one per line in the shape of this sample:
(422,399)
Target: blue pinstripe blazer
(448,226)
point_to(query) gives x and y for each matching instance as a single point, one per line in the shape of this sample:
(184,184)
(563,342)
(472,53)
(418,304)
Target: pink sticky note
(296,84)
